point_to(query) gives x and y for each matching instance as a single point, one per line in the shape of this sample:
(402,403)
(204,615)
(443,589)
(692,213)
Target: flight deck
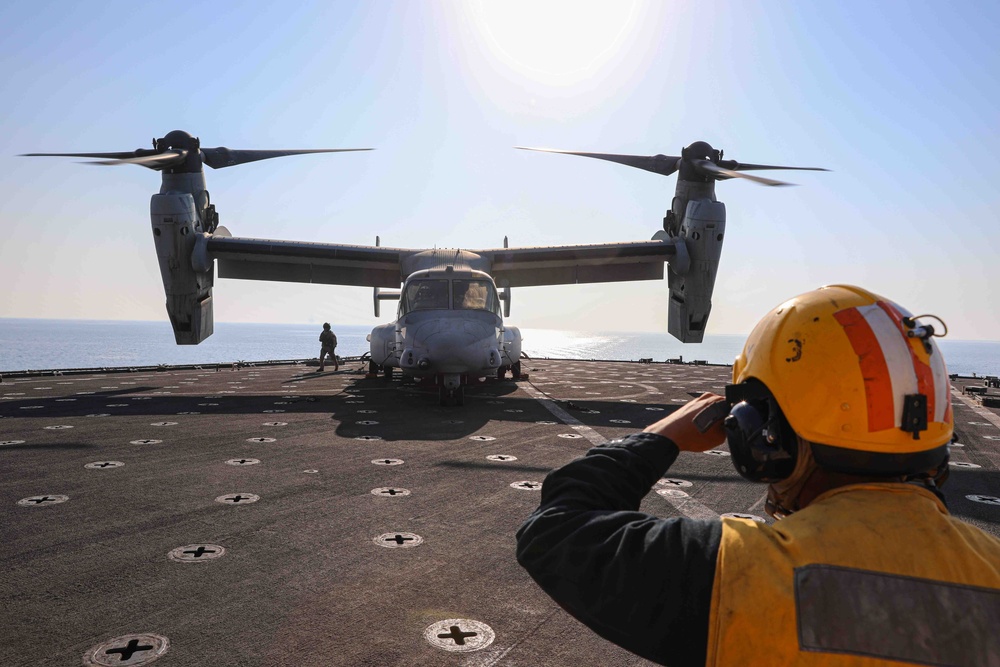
(273,515)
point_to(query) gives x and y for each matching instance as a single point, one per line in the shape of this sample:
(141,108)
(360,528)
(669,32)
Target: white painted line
(978,409)
(758,505)
(568,419)
(689,507)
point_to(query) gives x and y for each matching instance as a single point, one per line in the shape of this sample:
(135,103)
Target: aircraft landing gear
(451,396)
(515,371)
(373,371)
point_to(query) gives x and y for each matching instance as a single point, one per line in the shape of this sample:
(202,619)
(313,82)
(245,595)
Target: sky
(898,99)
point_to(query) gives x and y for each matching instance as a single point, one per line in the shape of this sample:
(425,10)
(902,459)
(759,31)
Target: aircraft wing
(304,262)
(567,265)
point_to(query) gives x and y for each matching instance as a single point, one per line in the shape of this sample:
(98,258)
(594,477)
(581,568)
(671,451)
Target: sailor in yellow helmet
(840,402)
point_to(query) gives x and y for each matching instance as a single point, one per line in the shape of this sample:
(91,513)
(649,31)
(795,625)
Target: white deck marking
(759,504)
(978,409)
(566,418)
(689,507)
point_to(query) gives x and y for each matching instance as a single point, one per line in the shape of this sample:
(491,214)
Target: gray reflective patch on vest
(859,612)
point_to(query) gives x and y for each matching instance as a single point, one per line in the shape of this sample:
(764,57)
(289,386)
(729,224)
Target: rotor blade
(158,160)
(110,156)
(658,164)
(218,158)
(739,166)
(708,166)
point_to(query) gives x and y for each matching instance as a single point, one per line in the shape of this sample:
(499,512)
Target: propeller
(697,162)
(178,151)
(658,164)
(156,161)
(218,158)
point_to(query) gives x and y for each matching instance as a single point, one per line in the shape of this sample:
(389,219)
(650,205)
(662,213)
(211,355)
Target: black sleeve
(642,582)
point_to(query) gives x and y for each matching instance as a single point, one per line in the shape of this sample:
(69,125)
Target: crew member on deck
(840,402)
(329,347)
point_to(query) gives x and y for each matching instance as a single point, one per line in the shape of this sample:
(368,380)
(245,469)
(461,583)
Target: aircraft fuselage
(448,327)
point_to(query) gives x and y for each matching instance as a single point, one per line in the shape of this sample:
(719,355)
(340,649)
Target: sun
(557,42)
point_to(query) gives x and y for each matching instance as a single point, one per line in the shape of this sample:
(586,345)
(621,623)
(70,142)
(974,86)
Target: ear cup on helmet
(761,442)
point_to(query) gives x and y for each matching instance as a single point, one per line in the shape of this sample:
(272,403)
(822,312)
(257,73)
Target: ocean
(30,344)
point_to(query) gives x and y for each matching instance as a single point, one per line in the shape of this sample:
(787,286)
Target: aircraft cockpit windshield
(474,295)
(466,294)
(427,295)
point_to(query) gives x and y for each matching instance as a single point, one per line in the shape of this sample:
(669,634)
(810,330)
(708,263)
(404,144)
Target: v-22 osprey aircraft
(448,326)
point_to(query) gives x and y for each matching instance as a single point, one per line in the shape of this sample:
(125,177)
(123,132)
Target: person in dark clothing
(329,347)
(840,402)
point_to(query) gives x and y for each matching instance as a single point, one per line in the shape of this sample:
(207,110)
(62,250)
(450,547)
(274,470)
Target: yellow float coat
(777,587)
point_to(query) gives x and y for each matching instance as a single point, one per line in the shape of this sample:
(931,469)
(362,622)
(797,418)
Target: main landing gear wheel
(372,368)
(388,373)
(515,371)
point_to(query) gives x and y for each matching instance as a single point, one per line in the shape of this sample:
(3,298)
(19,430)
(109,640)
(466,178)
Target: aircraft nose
(458,351)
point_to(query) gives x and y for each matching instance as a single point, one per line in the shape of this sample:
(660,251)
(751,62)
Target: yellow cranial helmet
(853,371)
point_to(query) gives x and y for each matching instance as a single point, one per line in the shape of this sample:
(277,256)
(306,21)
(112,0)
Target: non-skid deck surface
(361,523)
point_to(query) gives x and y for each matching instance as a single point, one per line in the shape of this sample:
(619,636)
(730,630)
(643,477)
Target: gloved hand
(696,426)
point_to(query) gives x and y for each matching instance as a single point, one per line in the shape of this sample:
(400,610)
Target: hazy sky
(899,99)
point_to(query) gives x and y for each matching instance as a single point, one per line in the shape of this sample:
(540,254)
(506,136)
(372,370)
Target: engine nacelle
(691,287)
(176,228)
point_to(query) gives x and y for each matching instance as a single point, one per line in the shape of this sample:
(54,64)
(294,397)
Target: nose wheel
(451,396)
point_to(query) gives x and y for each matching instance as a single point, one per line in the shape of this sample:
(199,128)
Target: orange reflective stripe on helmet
(890,366)
(874,368)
